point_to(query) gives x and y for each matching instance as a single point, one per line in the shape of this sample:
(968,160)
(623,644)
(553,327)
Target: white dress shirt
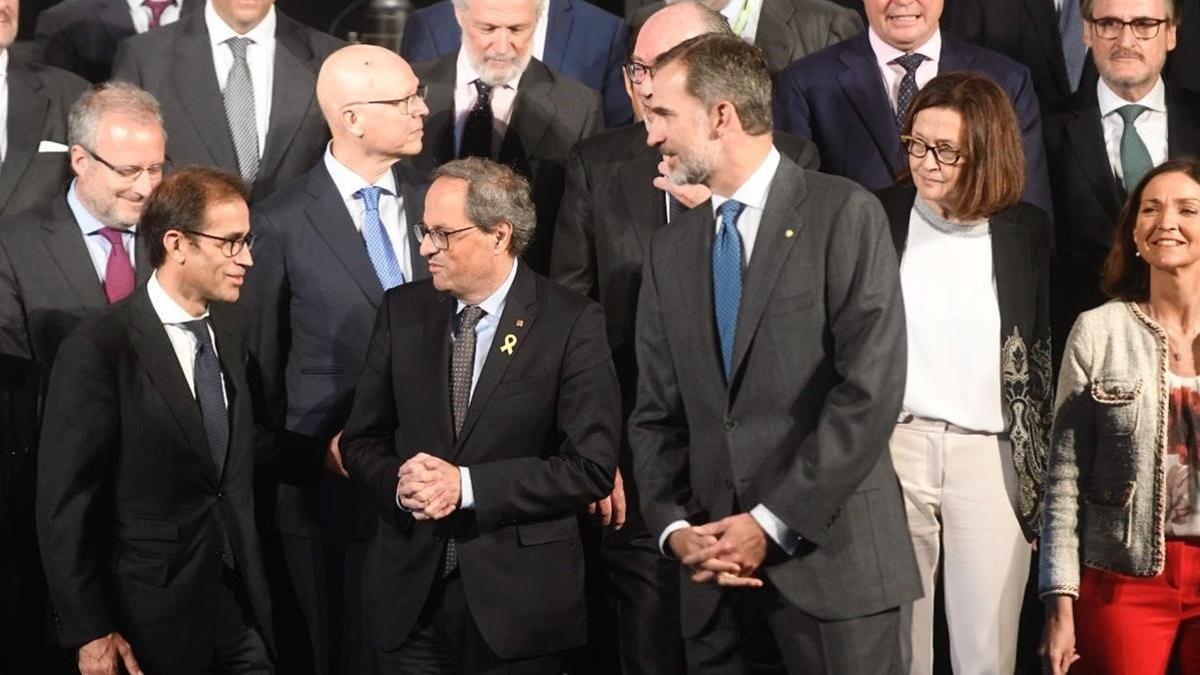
(141,14)
(260,57)
(391,206)
(98,247)
(465,94)
(1151,125)
(539,32)
(732,11)
(893,73)
(4,105)
(183,341)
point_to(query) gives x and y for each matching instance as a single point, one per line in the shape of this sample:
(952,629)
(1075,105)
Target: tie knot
(485,92)
(115,236)
(470,315)
(370,197)
(729,212)
(1130,112)
(199,328)
(910,62)
(238,45)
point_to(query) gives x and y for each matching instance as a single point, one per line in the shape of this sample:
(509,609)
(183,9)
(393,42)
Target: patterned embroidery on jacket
(1025,377)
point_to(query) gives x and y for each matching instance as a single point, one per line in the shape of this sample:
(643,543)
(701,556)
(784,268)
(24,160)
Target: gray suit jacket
(175,64)
(39,98)
(803,425)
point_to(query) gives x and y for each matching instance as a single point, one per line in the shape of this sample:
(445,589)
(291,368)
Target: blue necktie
(1070,30)
(727,278)
(379,245)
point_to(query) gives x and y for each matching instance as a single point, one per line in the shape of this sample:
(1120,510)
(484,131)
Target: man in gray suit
(769,323)
(236,83)
(329,244)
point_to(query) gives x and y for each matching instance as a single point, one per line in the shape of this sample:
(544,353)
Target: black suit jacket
(314,296)
(550,115)
(803,424)
(130,505)
(39,98)
(82,35)
(175,64)
(540,439)
(1088,198)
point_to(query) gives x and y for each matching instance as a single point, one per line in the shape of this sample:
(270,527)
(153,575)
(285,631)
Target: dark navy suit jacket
(583,42)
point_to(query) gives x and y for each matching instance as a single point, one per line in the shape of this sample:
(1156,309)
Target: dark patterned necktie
(462,371)
(477,132)
(118,272)
(727,279)
(908,85)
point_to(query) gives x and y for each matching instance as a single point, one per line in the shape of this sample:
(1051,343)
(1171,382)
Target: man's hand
(333,457)
(611,509)
(739,541)
(688,545)
(105,655)
(429,487)
(691,195)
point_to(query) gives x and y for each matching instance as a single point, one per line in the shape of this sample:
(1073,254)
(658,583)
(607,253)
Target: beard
(497,72)
(695,167)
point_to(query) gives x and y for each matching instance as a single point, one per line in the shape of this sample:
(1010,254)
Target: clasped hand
(429,487)
(727,552)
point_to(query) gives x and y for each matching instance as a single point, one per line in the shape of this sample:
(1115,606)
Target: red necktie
(157,7)
(118,274)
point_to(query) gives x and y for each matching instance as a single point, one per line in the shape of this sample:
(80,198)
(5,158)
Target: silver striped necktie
(239,110)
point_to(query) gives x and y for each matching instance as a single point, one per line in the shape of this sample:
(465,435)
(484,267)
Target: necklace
(1176,353)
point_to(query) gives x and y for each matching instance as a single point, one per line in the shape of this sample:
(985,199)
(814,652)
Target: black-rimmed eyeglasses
(231,246)
(945,155)
(637,72)
(440,238)
(404,105)
(131,173)
(1110,27)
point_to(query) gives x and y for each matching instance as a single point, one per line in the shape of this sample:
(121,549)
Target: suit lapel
(195,81)
(558,33)
(438,139)
(229,353)
(1183,125)
(533,113)
(775,38)
(692,257)
(433,367)
(861,82)
(520,311)
(1044,23)
(647,204)
(27,108)
(293,92)
(65,244)
(413,197)
(1086,134)
(327,215)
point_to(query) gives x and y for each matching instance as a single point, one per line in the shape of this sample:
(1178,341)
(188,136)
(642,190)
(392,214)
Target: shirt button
(730,424)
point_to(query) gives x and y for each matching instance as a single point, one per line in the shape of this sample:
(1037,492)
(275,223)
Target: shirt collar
(753,192)
(494,303)
(885,53)
(88,223)
(1155,99)
(169,312)
(348,183)
(3,64)
(465,74)
(219,31)
(135,5)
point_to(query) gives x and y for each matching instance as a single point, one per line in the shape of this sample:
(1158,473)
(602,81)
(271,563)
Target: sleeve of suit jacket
(618,111)
(53,45)
(267,295)
(791,105)
(14,339)
(573,259)
(418,43)
(1029,115)
(125,65)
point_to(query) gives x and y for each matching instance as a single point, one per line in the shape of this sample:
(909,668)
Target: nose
(1126,38)
(144,184)
(427,248)
(244,257)
(654,133)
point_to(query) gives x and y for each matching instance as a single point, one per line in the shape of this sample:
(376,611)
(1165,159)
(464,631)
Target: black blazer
(130,507)
(314,296)
(39,98)
(550,115)
(175,64)
(1088,198)
(540,439)
(82,35)
(1021,240)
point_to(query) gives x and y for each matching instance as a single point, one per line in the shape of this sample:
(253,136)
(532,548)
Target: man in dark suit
(1096,158)
(615,199)
(33,122)
(852,97)
(487,416)
(147,529)
(329,244)
(785,30)
(493,99)
(82,35)
(236,84)
(574,37)
(766,344)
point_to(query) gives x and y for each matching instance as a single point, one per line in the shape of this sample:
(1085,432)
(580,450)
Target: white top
(182,340)
(892,73)
(1183,478)
(732,11)
(952,321)
(391,206)
(141,14)
(753,193)
(3,105)
(260,57)
(1151,125)
(465,94)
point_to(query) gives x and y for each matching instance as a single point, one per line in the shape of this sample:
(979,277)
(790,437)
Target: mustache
(1124,52)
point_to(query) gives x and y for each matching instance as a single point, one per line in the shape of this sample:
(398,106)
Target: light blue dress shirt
(98,247)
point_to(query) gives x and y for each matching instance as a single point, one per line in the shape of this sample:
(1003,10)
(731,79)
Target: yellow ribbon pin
(510,342)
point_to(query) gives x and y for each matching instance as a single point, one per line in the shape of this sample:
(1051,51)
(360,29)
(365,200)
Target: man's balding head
(669,26)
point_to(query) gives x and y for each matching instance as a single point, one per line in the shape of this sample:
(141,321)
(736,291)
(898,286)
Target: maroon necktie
(157,7)
(118,274)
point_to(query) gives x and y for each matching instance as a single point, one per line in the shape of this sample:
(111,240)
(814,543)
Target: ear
(79,159)
(724,118)
(350,121)
(503,234)
(173,243)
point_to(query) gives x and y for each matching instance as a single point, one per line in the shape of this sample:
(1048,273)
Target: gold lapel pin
(788,234)
(510,343)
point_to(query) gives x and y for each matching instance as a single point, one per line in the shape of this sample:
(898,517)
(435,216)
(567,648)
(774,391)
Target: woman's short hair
(1125,275)
(992,175)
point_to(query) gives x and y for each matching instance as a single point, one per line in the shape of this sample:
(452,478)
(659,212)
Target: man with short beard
(492,99)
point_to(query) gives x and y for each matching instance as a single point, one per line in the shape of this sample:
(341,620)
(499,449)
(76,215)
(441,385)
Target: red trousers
(1141,625)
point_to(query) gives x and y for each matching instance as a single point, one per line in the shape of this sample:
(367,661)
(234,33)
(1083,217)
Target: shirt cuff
(775,528)
(466,492)
(662,538)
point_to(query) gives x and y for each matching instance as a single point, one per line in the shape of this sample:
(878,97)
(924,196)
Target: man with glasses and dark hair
(333,241)
(145,505)
(1106,136)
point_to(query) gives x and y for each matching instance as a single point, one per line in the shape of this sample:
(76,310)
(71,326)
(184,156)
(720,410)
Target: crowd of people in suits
(724,336)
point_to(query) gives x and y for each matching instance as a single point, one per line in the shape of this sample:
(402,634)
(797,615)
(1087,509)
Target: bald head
(359,73)
(669,26)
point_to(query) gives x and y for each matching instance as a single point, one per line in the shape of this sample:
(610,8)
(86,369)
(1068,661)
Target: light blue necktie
(379,245)
(727,278)
(1070,30)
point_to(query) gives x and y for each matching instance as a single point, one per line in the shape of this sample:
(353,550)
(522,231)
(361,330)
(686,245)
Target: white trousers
(959,490)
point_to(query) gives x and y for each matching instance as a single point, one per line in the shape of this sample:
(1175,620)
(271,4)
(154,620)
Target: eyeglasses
(131,173)
(229,247)
(943,154)
(440,238)
(403,104)
(638,71)
(1110,27)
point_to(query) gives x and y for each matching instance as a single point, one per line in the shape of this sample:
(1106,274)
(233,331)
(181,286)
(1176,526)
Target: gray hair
(712,20)
(109,98)
(461,5)
(1174,10)
(726,68)
(495,194)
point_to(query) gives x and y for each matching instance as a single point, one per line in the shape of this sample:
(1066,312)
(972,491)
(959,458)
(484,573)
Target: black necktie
(477,132)
(462,371)
(908,85)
